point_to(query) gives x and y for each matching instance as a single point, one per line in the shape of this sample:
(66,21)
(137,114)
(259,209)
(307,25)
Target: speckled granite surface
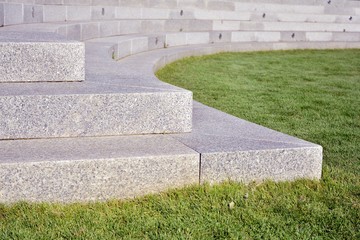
(221,147)
(124,97)
(40,57)
(88,169)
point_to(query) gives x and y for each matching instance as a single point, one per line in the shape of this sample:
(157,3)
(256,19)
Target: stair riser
(283,26)
(95,180)
(277,165)
(14,13)
(35,116)
(126,47)
(172,3)
(41,62)
(93,30)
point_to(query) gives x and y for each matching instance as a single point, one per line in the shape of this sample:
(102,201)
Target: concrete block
(289,17)
(181,14)
(354,3)
(132,3)
(242,16)
(12,13)
(321,18)
(105,2)
(256,36)
(102,12)
(347,19)
(348,27)
(192,4)
(93,169)
(152,26)
(293,36)
(163,3)
(2,14)
(78,13)
(243,37)
(109,28)
(274,164)
(54,13)
(278,8)
(75,2)
(128,13)
(90,30)
(220,36)
(156,42)
(152,13)
(33,57)
(33,14)
(62,31)
(140,44)
(346,37)
(226,25)
(176,25)
(50,2)
(319,36)
(206,14)
(268,36)
(130,26)
(123,49)
(233,149)
(261,17)
(199,25)
(175,39)
(91,110)
(197,38)
(339,10)
(315,18)
(221,5)
(73,32)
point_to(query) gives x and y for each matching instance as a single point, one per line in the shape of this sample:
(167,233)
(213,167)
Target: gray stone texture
(102,12)
(40,57)
(78,13)
(109,28)
(54,13)
(12,14)
(33,14)
(237,150)
(124,97)
(73,32)
(90,30)
(156,41)
(93,169)
(74,110)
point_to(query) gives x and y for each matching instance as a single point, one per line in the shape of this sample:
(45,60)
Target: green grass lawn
(314,95)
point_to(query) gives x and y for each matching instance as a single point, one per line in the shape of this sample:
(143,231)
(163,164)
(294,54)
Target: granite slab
(40,57)
(238,150)
(93,169)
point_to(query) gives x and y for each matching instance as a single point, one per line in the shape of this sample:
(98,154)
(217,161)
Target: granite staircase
(83,118)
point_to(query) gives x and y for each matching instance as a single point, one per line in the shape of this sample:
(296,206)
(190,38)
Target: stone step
(73,110)
(83,31)
(40,57)
(91,30)
(220,148)
(133,44)
(284,8)
(17,13)
(285,26)
(168,3)
(93,169)
(272,17)
(115,99)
